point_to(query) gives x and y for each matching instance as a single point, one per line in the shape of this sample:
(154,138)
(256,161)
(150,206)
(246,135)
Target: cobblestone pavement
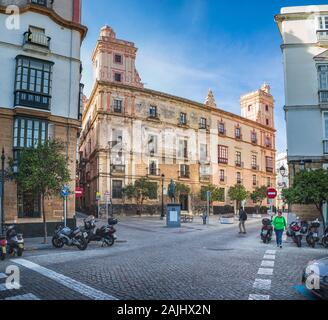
(152,262)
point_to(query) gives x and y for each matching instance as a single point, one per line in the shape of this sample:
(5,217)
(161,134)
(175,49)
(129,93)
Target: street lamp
(163,214)
(2,184)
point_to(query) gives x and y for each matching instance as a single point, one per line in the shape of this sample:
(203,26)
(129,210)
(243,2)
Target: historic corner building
(304,32)
(40,95)
(131,132)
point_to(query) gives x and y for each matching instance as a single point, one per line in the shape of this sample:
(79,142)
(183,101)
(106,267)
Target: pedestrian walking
(279,224)
(242,221)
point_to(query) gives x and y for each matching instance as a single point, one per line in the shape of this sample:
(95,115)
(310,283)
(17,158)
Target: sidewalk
(35,244)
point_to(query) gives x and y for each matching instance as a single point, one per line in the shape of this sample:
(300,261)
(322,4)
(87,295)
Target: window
(268,182)
(222,175)
(323,83)
(40,2)
(203,152)
(269,164)
(254,162)
(222,129)
(117,77)
(254,180)
(323,23)
(183,149)
(28,133)
(37,36)
(249,108)
(152,144)
(238,175)
(118,58)
(80,107)
(153,112)
(183,118)
(254,137)
(267,108)
(238,133)
(153,171)
(268,143)
(326,124)
(184,171)
(223,154)
(267,121)
(238,159)
(205,171)
(29,205)
(117,189)
(33,83)
(117,106)
(117,137)
(203,123)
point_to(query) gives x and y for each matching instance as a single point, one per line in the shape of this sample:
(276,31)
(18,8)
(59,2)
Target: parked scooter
(105,234)
(66,236)
(296,231)
(3,248)
(15,242)
(313,236)
(267,230)
(325,238)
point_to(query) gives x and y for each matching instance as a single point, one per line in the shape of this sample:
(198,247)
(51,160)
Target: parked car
(315,278)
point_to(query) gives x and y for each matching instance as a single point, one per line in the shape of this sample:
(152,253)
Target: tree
(141,190)
(43,171)
(238,193)
(309,188)
(180,189)
(258,196)
(216,194)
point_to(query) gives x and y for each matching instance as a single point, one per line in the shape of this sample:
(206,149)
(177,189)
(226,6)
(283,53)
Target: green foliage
(309,188)
(141,190)
(217,194)
(181,188)
(238,193)
(43,171)
(259,195)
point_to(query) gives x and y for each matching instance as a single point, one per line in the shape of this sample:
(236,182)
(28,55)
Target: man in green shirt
(279,224)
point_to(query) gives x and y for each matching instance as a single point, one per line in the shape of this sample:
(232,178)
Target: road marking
(262,284)
(258,297)
(267,264)
(271,252)
(65,281)
(269,257)
(24,297)
(265,271)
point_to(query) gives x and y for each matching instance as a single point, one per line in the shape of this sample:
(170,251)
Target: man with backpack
(242,221)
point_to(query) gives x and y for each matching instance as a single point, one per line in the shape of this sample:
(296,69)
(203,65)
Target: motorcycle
(15,242)
(267,230)
(3,248)
(105,234)
(296,231)
(325,238)
(69,237)
(313,236)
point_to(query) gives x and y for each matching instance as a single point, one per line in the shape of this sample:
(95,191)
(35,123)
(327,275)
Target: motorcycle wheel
(325,242)
(83,244)
(310,241)
(299,241)
(20,252)
(57,243)
(109,241)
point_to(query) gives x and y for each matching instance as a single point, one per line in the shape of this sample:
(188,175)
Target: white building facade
(304,32)
(40,95)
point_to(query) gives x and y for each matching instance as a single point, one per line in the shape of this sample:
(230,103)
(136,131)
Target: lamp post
(2,220)
(162,214)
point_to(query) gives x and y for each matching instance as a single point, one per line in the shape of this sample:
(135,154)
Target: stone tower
(259,106)
(114,60)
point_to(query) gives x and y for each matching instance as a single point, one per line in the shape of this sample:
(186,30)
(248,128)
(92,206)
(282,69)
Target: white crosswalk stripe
(265,271)
(269,257)
(262,284)
(267,264)
(258,297)
(24,297)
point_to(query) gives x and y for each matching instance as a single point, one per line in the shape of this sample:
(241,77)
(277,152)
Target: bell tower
(114,60)
(259,106)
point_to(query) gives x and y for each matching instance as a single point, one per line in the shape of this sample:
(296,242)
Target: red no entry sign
(272,193)
(79,192)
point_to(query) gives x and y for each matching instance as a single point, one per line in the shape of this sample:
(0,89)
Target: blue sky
(189,46)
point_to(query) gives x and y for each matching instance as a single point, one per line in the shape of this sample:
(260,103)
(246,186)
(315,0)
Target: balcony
(32,100)
(223,161)
(40,2)
(254,141)
(269,169)
(205,177)
(255,184)
(154,116)
(153,172)
(239,181)
(36,39)
(322,36)
(325,147)
(255,167)
(323,96)
(184,174)
(239,164)
(116,110)
(117,169)
(239,137)
(223,180)
(222,132)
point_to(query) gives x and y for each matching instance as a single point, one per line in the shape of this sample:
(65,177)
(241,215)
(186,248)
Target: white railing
(322,35)
(37,38)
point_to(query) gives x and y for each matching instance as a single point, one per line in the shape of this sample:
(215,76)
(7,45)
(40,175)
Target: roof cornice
(52,15)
